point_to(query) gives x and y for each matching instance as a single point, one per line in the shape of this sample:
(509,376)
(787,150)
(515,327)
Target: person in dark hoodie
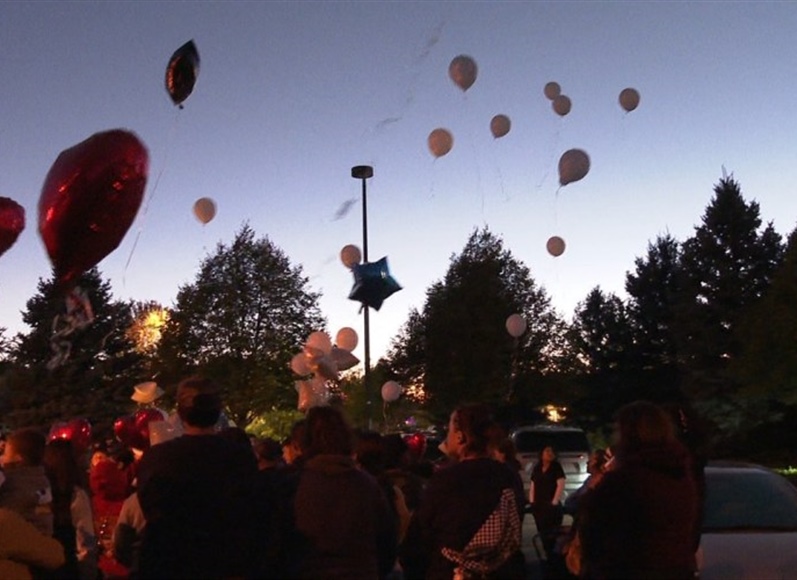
(639,521)
(344,524)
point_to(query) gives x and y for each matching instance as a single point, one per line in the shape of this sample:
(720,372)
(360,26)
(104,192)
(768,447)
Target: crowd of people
(334,502)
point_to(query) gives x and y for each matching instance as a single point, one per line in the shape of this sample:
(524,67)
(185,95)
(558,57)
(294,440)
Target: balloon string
(169,145)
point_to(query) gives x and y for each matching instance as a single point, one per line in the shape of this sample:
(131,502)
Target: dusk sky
(291,95)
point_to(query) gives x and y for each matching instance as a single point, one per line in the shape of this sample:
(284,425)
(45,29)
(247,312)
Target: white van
(569,443)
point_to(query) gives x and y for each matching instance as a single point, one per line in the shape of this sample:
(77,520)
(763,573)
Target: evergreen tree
(726,267)
(84,371)
(240,322)
(767,363)
(458,346)
(602,340)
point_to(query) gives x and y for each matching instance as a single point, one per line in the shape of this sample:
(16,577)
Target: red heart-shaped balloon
(12,222)
(89,200)
(143,418)
(125,430)
(78,431)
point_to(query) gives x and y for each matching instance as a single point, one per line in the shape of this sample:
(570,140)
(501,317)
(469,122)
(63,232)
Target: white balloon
(500,125)
(573,165)
(391,391)
(205,209)
(350,256)
(300,364)
(555,246)
(320,341)
(629,99)
(347,338)
(463,71)
(552,90)
(561,105)
(440,142)
(515,325)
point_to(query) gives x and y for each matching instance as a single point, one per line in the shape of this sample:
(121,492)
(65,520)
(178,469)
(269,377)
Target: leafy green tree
(726,267)
(97,366)
(458,347)
(240,322)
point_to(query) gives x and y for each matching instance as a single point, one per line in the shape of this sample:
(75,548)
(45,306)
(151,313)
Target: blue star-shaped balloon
(373,283)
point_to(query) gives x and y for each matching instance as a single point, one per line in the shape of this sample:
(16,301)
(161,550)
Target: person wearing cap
(195,492)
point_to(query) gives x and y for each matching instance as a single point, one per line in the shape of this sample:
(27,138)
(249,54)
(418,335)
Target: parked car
(571,446)
(749,524)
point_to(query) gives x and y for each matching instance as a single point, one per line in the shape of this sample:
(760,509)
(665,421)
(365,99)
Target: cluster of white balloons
(324,361)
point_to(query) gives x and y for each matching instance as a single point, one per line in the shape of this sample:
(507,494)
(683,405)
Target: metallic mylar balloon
(12,222)
(629,99)
(89,199)
(78,431)
(143,418)
(500,125)
(462,71)
(373,283)
(182,72)
(573,165)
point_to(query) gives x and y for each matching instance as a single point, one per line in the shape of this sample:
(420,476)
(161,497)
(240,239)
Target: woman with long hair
(545,495)
(72,515)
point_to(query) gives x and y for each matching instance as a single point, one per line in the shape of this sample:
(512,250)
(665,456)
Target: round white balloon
(350,256)
(555,246)
(573,165)
(347,338)
(552,90)
(629,99)
(562,105)
(300,364)
(440,142)
(320,341)
(515,325)
(391,391)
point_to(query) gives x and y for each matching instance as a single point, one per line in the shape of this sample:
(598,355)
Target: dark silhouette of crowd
(211,501)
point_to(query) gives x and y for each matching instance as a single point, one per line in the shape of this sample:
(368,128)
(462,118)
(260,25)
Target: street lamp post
(365,172)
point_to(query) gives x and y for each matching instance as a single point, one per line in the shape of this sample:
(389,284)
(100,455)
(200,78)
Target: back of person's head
(395,449)
(642,424)
(328,433)
(370,451)
(198,402)
(237,435)
(268,449)
(29,444)
(477,424)
(61,465)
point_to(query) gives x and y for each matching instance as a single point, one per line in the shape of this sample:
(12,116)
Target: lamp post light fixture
(363,173)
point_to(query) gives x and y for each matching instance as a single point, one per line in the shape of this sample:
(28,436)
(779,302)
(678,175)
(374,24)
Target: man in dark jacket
(196,492)
(639,522)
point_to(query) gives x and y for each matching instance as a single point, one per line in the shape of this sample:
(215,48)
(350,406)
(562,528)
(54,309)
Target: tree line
(707,327)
